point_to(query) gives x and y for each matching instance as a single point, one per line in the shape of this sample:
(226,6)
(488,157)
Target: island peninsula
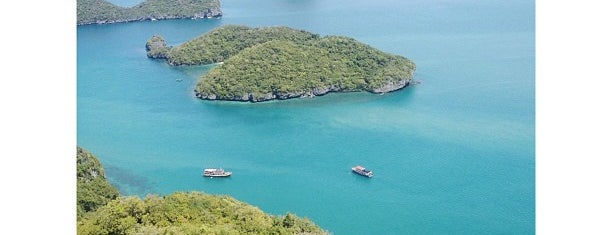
(104,12)
(259,64)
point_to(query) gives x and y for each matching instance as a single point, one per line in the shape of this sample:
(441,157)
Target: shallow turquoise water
(453,155)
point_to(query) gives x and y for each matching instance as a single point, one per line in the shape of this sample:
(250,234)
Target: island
(101,210)
(267,63)
(104,12)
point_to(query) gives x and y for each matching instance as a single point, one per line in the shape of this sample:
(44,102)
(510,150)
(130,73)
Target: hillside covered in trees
(221,43)
(100,210)
(268,63)
(93,190)
(104,12)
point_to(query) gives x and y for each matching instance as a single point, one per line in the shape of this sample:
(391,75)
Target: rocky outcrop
(319,91)
(392,85)
(156,48)
(210,13)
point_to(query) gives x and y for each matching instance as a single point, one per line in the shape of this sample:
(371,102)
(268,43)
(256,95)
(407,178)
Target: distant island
(259,64)
(101,210)
(104,12)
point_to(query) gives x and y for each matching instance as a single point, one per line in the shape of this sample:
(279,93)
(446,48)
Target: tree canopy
(189,213)
(93,190)
(223,42)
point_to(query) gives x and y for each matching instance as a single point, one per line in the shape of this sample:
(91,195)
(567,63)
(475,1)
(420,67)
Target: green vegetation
(93,190)
(102,211)
(189,213)
(101,11)
(279,63)
(226,41)
(282,69)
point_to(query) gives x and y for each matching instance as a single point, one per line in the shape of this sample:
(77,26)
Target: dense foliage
(283,69)
(280,63)
(226,41)
(93,190)
(100,210)
(189,213)
(101,11)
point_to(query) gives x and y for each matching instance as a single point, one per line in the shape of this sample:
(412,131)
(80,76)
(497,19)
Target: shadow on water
(127,182)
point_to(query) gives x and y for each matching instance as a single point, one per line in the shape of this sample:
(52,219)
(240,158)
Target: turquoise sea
(452,155)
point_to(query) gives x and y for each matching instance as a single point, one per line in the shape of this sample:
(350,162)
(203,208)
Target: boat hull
(224,175)
(363,174)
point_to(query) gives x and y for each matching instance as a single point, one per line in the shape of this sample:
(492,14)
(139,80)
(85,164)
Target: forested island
(104,12)
(101,210)
(266,63)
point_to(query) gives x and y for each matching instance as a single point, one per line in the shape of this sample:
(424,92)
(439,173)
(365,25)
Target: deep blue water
(452,155)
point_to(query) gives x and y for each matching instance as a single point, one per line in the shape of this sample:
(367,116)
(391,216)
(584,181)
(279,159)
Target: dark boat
(362,171)
(213,172)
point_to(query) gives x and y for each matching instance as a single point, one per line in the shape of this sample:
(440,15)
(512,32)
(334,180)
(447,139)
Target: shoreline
(105,12)
(250,98)
(217,16)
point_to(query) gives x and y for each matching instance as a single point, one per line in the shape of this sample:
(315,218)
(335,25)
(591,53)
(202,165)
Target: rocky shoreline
(209,13)
(105,12)
(250,97)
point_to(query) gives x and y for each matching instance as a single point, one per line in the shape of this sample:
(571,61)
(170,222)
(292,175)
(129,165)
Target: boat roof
(211,169)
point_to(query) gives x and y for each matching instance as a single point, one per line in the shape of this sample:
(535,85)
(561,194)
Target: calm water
(453,155)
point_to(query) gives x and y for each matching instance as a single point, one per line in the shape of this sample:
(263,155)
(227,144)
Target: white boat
(215,172)
(362,171)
